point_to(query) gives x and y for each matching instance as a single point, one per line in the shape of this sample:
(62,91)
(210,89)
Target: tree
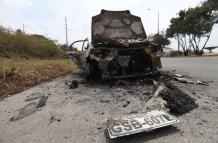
(19,31)
(177,30)
(199,23)
(193,28)
(211,4)
(160,39)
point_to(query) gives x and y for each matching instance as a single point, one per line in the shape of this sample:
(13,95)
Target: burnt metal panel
(117,25)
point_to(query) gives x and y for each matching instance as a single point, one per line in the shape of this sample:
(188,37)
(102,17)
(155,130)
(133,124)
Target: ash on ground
(120,96)
(136,95)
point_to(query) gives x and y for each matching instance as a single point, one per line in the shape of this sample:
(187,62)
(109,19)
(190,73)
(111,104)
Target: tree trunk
(178,45)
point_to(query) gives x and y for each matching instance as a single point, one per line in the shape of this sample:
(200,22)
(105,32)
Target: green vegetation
(18,44)
(27,60)
(192,28)
(160,39)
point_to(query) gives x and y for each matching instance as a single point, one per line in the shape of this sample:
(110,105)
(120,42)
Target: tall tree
(199,21)
(193,27)
(177,30)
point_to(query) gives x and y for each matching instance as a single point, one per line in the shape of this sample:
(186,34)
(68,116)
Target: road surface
(202,67)
(79,115)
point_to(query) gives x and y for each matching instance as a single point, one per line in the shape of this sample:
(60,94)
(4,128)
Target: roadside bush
(18,44)
(175,53)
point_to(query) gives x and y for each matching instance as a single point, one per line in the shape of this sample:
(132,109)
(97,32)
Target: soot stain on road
(31,107)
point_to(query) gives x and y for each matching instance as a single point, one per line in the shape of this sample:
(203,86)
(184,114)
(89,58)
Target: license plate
(132,124)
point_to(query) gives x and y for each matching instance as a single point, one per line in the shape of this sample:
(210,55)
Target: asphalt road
(202,67)
(79,115)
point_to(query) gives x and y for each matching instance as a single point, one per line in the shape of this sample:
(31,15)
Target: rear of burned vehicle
(119,48)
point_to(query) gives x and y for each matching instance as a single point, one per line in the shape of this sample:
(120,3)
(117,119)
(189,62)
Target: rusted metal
(119,48)
(117,25)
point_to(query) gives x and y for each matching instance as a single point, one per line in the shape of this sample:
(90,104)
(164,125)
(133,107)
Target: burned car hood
(116,25)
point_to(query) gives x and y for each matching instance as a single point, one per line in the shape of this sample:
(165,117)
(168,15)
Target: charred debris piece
(72,84)
(176,100)
(31,107)
(169,97)
(183,78)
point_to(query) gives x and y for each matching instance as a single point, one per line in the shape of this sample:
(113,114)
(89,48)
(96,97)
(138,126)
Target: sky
(46,17)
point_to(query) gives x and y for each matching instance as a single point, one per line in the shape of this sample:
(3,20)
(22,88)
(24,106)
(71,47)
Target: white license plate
(132,124)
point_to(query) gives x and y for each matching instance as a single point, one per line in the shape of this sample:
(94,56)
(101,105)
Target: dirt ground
(53,113)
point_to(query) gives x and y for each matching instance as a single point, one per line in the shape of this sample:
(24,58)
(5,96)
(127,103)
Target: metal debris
(202,82)
(184,80)
(178,75)
(189,81)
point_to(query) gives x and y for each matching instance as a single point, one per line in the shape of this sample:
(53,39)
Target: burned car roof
(117,25)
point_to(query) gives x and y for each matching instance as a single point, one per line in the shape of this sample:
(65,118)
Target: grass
(19,74)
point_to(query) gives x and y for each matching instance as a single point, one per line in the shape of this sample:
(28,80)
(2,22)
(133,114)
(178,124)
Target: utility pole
(158,23)
(9,30)
(66,31)
(23,29)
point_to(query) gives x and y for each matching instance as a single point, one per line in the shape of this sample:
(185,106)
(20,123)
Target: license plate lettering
(136,124)
(168,117)
(116,129)
(127,126)
(148,121)
(155,120)
(140,122)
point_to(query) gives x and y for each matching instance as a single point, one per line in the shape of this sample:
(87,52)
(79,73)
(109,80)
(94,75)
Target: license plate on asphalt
(132,124)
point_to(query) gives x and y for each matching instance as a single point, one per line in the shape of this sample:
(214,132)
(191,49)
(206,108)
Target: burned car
(118,49)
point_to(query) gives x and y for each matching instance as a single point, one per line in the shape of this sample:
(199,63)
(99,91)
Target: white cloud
(47,16)
(11,15)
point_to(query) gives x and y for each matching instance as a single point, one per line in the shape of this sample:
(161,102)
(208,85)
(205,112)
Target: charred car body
(119,48)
